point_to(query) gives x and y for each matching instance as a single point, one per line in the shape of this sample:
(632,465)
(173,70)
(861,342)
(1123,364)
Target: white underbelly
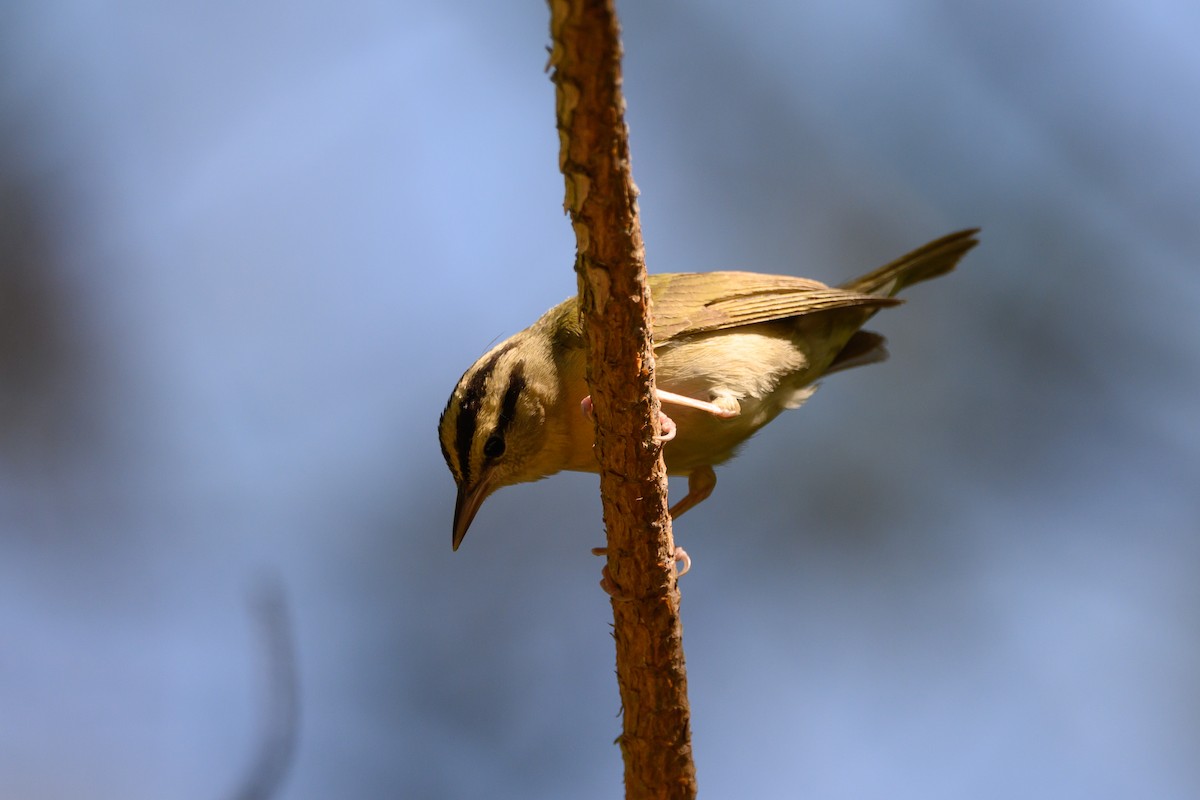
(762,367)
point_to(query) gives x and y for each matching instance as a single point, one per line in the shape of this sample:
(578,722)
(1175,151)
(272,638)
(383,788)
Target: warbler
(732,351)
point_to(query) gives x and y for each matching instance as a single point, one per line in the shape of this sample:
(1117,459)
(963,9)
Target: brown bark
(615,305)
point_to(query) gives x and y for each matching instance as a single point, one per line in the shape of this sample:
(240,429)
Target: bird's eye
(494,446)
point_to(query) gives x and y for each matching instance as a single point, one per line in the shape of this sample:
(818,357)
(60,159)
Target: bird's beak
(470,498)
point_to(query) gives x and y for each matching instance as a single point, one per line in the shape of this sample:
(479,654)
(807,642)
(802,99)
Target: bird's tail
(934,259)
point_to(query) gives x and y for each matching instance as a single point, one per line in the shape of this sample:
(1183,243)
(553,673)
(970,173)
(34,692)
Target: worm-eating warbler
(732,350)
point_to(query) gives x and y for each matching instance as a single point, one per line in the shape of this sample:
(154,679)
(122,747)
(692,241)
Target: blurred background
(247,250)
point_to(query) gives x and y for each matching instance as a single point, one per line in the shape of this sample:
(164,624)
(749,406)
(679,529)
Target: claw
(681,555)
(668,428)
(606,582)
(611,589)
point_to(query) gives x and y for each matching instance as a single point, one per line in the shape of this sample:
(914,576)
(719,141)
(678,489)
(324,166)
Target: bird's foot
(610,588)
(606,582)
(680,556)
(668,428)
(665,423)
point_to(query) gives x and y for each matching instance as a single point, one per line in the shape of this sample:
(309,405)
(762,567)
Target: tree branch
(615,306)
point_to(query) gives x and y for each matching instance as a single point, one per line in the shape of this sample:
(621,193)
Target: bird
(732,351)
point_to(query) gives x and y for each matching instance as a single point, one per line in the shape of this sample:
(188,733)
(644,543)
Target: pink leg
(701,482)
(723,406)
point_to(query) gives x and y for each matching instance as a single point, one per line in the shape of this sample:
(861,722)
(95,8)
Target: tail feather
(934,259)
(864,347)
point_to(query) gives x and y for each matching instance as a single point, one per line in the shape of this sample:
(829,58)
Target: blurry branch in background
(281,711)
(43,350)
(615,305)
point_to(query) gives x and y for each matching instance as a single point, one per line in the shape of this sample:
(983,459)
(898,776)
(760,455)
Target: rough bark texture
(614,300)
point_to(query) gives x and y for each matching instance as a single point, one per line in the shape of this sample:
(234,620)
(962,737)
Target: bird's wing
(698,302)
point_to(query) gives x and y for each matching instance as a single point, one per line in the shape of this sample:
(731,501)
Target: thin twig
(281,723)
(615,305)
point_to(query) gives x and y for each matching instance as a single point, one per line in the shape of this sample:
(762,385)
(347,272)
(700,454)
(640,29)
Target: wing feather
(710,301)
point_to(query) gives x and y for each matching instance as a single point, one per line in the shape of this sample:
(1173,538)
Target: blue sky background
(245,252)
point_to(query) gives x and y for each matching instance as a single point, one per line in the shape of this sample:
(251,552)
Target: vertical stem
(601,199)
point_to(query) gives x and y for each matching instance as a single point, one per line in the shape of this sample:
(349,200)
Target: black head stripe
(468,411)
(442,441)
(512,393)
